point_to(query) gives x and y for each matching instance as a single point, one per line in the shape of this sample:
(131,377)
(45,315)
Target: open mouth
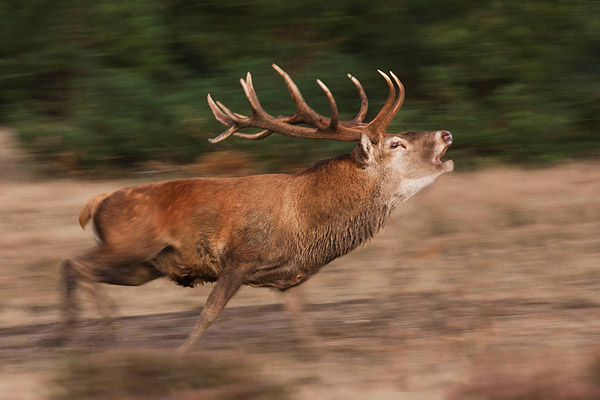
(438,159)
(446,165)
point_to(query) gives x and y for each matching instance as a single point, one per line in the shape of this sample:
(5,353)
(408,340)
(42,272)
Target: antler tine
(227,117)
(364,103)
(399,100)
(334,110)
(303,109)
(219,115)
(223,118)
(229,113)
(223,135)
(251,95)
(254,136)
(389,110)
(379,122)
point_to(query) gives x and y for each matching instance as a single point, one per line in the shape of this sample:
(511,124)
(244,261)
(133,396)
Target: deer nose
(446,136)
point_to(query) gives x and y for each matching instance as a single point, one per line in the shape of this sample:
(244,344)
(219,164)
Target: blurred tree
(122,82)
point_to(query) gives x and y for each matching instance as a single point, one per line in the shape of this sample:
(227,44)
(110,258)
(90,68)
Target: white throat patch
(410,187)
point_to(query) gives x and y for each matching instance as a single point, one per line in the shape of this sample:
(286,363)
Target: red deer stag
(272,230)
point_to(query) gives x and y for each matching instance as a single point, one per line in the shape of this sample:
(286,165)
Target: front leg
(312,345)
(227,285)
(294,300)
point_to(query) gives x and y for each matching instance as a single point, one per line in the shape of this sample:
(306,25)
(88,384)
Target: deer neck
(342,206)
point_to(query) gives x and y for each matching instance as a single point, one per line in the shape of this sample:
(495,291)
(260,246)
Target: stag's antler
(324,128)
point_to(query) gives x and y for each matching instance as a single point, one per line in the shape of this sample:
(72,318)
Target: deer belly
(280,277)
(189,268)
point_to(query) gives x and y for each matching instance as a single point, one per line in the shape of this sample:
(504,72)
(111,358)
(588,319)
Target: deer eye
(396,144)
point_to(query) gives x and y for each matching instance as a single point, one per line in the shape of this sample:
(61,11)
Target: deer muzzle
(446,138)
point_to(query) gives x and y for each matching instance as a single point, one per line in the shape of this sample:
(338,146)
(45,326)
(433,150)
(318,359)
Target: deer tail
(90,209)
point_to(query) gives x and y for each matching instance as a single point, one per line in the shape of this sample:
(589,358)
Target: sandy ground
(501,264)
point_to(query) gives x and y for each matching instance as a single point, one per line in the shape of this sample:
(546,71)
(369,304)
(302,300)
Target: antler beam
(322,127)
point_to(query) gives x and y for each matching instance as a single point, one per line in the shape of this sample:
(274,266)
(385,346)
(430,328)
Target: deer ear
(364,151)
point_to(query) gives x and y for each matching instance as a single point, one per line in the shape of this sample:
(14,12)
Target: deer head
(409,160)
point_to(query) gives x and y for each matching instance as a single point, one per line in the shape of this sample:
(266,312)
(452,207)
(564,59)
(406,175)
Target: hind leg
(70,308)
(101,266)
(76,275)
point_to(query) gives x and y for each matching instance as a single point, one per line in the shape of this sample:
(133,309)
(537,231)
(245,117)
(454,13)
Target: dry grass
(135,375)
(496,263)
(557,380)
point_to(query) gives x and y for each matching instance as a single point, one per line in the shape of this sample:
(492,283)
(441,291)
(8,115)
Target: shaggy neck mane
(339,220)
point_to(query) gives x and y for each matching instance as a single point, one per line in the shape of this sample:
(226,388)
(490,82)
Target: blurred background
(114,84)
(486,285)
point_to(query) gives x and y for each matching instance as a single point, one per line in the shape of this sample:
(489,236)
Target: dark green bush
(117,83)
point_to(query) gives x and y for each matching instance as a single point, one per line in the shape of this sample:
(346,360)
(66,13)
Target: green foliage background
(116,83)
